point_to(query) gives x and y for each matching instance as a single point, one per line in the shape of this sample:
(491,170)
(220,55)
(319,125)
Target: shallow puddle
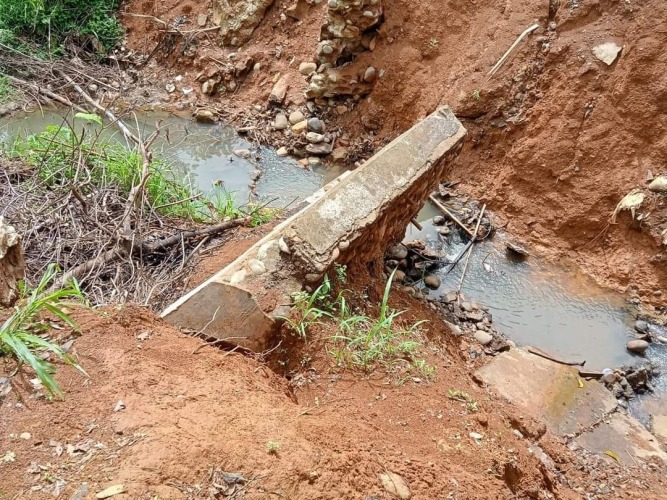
(201,153)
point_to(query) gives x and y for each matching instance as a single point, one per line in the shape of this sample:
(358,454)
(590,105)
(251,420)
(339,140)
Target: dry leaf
(612,455)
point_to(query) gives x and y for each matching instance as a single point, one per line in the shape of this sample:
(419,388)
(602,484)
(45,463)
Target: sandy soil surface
(164,417)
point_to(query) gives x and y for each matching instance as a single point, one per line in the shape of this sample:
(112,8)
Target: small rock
(120,405)
(517,249)
(281,122)
(296,117)
(202,19)
(282,151)
(321,149)
(92,88)
(476,436)
(111,491)
(399,276)
(339,154)
(449,297)
(316,125)
(370,75)
(484,338)
(444,231)
(242,153)
(206,116)
(641,326)
(637,346)
(314,137)
(607,52)
(282,245)
(25,436)
(395,485)
(397,252)
(475,316)
(432,281)
(466,306)
(438,220)
(279,91)
(313,161)
(170,87)
(659,184)
(297,128)
(306,68)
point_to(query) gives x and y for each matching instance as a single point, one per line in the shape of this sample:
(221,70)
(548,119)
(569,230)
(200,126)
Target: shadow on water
(201,153)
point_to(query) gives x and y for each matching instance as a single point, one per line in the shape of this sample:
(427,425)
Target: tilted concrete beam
(353,218)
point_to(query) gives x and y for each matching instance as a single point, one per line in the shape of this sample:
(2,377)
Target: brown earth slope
(557,138)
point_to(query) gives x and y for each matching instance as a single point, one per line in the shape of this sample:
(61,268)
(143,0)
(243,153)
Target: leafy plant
(6,90)
(368,341)
(307,312)
(463,397)
(47,23)
(272,447)
(18,336)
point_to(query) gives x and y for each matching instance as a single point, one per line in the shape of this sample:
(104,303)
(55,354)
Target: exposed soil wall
(557,137)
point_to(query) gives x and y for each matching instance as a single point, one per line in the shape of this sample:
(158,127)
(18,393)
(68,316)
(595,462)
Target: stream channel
(533,302)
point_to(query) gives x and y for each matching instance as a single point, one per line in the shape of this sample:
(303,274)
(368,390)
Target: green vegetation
(273,447)
(476,95)
(361,341)
(6,89)
(59,153)
(21,336)
(463,397)
(44,25)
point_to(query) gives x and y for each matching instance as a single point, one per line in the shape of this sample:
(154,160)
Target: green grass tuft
(19,334)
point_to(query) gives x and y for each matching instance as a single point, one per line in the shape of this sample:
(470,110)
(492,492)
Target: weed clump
(361,341)
(45,25)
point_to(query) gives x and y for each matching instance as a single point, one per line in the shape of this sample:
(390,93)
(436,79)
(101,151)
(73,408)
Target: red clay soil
(557,138)
(190,410)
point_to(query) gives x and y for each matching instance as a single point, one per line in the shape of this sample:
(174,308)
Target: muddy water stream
(532,302)
(547,306)
(202,154)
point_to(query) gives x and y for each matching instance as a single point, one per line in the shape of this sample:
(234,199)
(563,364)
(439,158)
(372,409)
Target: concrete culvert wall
(353,218)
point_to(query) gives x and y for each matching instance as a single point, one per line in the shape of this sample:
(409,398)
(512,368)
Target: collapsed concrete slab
(554,394)
(353,218)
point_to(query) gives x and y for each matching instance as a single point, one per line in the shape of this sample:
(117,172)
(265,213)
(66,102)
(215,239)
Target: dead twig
(449,214)
(472,246)
(502,60)
(542,354)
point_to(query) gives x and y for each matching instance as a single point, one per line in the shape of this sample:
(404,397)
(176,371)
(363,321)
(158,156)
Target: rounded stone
(370,75)
(637,346)
(327,49)
(641,326)
(316,125)
(280,123)
(397,252)
(432,281)
(484,338)
(296,117)
(438,220)
(306,68)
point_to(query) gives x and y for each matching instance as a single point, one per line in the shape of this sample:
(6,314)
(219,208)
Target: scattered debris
(111,491)
(120,405)
(659,184)
(516,249)
(631,201)
(607,52)
(395,485)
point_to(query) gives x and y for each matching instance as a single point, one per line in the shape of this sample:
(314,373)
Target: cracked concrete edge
(199,309)
(243,300)
(416,152)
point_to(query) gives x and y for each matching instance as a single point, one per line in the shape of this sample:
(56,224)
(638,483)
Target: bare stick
(542,354)
(416,223)
(172,240)
(512,47)
(449,214)
(106,111)
(39,90)
(472,245)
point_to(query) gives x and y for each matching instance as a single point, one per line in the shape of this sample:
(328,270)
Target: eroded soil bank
(557,137)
